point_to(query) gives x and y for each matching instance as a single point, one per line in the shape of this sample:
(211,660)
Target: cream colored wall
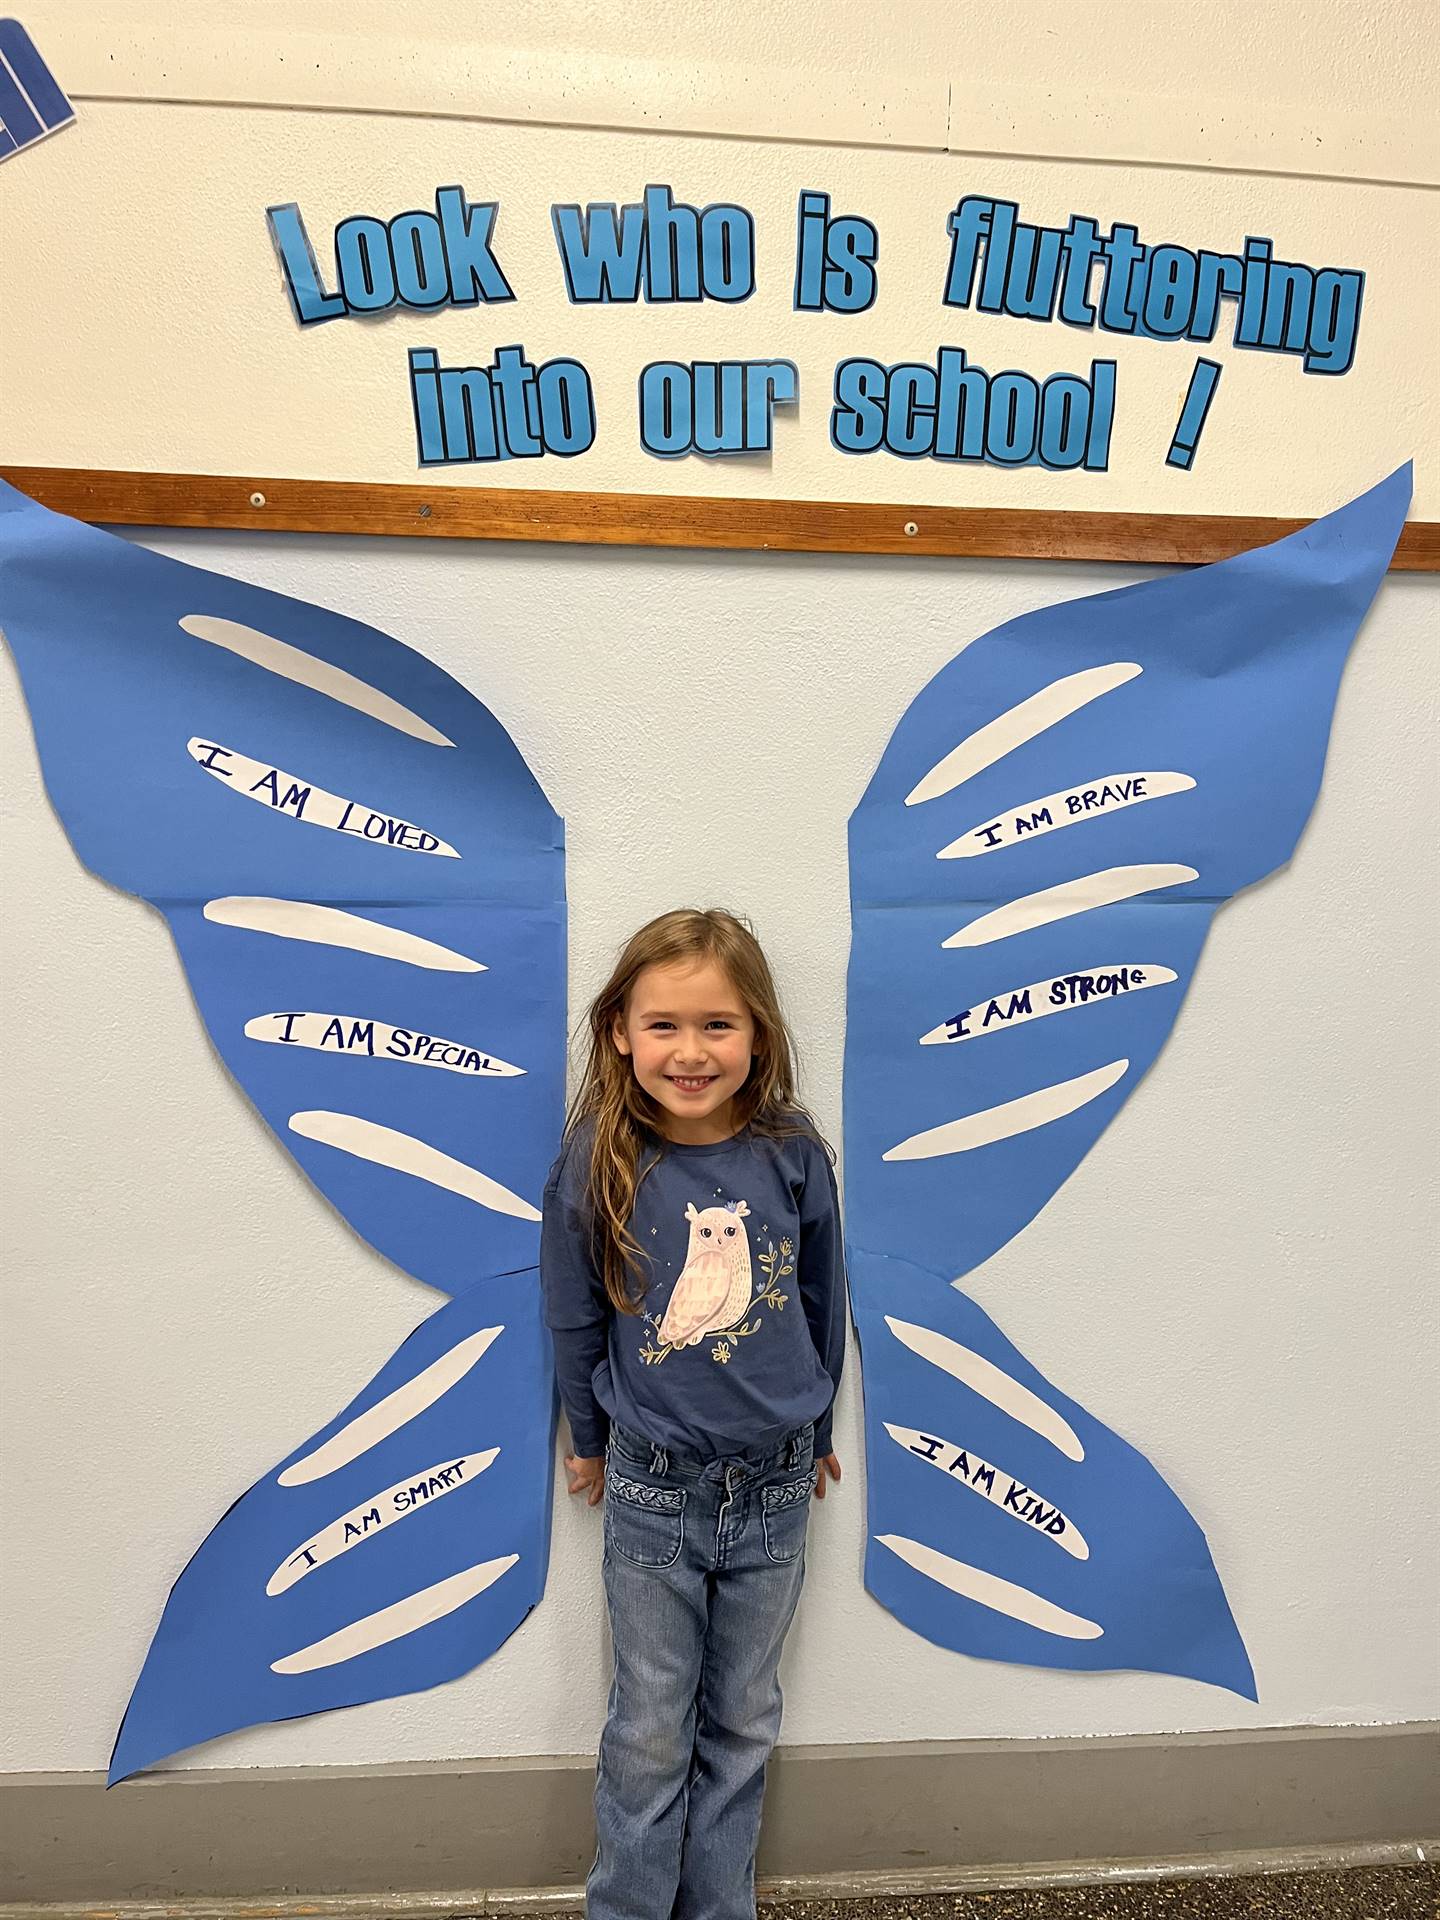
(1237,1278)
(1293,86)
(146,248)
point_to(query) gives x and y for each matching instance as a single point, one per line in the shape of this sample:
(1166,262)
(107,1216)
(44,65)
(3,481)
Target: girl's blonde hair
(613,1101)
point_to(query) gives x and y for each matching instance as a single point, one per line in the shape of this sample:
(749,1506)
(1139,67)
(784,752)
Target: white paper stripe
(1100,889)
(965,1468)
(387,1147)
(393,1623)
(1014,1006)
(1108,794)
(334,927)
(347,1034)
(307,670)
(295,799)
(1031,1110)
(387,1416)
(1020,724)
(992,1383)
(1001,1596)
(410,1495)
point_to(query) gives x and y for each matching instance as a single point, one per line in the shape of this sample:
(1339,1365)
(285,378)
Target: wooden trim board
(119,498)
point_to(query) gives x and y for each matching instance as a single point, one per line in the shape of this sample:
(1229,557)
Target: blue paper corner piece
(1034,869)
(32,102)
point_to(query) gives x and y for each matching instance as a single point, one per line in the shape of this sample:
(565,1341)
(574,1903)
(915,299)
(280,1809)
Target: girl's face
(689,1037)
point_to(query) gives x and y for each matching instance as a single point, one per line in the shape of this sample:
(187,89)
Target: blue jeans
(703,1566)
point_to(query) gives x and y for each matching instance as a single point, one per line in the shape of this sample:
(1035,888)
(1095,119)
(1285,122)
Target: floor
(1364,1893)
(1367,1893)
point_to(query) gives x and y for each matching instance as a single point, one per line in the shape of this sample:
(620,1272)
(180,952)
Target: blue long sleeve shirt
(741,1334)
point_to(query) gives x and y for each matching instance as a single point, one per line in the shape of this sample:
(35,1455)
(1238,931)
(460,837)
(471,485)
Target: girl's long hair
(612,1101)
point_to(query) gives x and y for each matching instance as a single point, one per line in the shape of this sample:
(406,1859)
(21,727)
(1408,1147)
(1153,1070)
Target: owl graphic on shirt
(715,1287)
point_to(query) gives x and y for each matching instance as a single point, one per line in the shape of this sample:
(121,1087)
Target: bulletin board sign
(514,331)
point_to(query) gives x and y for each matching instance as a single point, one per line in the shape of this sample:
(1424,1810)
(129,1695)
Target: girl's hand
(587,1476)
(829,1464)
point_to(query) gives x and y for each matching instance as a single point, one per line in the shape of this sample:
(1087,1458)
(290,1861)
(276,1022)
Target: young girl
(694,1284)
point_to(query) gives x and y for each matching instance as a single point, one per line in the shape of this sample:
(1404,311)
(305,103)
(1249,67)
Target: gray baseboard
(915,1810)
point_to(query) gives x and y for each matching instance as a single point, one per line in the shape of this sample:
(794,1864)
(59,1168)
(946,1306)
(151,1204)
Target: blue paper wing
(1053,1543)
(1034,869)
(404,1542)
(366,886)
(226,753)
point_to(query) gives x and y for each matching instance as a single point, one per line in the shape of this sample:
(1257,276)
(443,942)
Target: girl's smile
(690,1039)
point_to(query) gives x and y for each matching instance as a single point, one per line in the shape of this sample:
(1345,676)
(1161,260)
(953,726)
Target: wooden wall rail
(661,520)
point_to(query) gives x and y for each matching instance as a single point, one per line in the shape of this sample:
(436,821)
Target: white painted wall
(1239,1276)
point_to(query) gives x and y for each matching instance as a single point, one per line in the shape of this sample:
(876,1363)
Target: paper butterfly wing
(313,732)
(1034,869)
(402,1544)
(986,1533)
(365,884)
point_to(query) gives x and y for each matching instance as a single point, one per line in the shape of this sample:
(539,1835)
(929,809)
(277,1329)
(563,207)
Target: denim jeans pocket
(785,1514)
(644,1524)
